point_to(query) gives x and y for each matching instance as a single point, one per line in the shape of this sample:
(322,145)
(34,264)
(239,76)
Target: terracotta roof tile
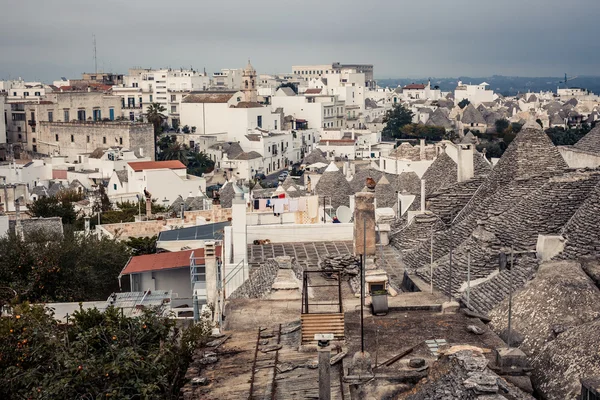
(143,165)
(313,91)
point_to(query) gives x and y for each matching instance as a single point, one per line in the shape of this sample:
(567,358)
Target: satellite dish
(344,214)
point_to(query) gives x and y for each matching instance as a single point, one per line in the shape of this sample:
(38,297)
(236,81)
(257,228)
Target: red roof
(337,141)
(313,91)
(59,174)
(415,86)
(160,261)
(143,165)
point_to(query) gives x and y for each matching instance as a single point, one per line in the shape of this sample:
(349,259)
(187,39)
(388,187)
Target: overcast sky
(47,39)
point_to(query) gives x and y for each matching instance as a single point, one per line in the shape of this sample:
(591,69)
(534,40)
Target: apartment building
(326,70)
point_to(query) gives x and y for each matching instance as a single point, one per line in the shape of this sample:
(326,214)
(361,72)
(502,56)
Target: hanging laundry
(256,204)
(313,206)
(281,195)
(262,204)
(302,204)
(294,205)
(278,205)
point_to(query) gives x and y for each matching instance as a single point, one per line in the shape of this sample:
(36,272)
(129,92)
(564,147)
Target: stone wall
(259,283)
(84,137)
(154,227)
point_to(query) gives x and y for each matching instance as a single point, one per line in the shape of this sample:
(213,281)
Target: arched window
(246,84)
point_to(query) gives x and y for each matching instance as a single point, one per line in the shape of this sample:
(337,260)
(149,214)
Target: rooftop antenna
(95,56)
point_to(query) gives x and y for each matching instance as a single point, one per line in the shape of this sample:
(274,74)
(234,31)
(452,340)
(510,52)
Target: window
(150,98)
(123,102)
(33,140)
(104,139)
(115,186)
(275,124)
(130,102)
(259,121)
(72,138)
(87,138)
(33,129)
(37,93)
(18,129)
(35,148)
(173,97)
(56,137)
(20,136)
(33,116)
(173,109)
(97,115)
(50,116)
(66,116)
(81,115)
(15,94)
(25,94)
(120,140)
(140,103)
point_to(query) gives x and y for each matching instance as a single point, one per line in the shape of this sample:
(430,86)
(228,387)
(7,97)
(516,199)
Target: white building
(320,111)
(21,90)
(476,94)
(165,180)
(308,72)
(167,87)
(4,113)
(227,79)
(419,91)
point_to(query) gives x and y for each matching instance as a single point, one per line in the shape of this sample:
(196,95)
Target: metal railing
(232,279)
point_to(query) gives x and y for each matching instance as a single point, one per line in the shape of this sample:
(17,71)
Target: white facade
(164,184)
(227,79)
(21,90)
(4,113)
(214,118)
(420,92)
(168,87)
(320,111)
(476,94)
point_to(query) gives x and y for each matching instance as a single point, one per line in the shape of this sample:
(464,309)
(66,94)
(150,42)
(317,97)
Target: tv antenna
(95,56)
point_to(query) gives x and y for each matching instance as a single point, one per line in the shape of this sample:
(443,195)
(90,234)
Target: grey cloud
(402,38)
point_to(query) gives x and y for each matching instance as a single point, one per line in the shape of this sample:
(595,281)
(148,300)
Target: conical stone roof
(441,173)
(358,180)
(313,157)
(530,154)
(385,193)
(590,142)
(333,183)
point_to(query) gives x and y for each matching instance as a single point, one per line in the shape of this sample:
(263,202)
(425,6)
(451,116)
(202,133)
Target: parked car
(283,175)
(260,176)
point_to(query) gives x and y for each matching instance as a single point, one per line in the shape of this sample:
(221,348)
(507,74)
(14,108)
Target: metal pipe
(362,287)
(468,277)
(510,284)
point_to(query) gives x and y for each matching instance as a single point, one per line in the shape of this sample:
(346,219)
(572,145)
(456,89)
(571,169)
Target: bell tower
(249,84)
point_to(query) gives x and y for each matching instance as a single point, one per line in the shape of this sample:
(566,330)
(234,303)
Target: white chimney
(422,148)
(422,195)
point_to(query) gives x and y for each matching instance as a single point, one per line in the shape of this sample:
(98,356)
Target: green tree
(61,268)
(46,207)
(199,163)
(165,141)
(395,119)
(98,355)
(463,103)
(156,118)
(501,125)
(176,151)
(142,245)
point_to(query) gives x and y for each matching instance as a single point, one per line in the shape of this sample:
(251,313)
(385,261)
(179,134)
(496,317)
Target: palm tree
(156,117)
(176,151)
(199,163)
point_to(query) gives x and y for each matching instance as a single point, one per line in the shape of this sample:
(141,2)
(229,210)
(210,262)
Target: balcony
(31,122)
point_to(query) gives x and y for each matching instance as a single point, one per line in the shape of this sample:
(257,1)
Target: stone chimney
(364,223)
(422,149)
(148,208)
(211,265)
(464,161)
(422,195)
(238,228)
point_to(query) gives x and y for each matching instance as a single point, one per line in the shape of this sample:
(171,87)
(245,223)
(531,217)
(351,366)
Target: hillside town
(302,235)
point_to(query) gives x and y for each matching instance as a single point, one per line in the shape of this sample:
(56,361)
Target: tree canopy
(50,267)
(395,119)
(463,103)
(97,355)
(46,207)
